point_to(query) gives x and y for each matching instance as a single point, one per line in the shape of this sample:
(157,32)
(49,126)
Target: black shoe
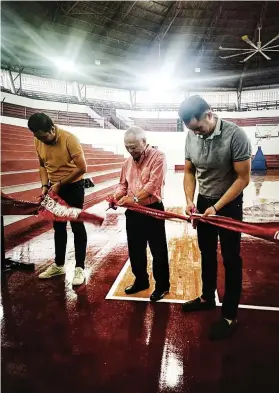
(222,329)
(10,264)
(136,288)
(198,305)
(158,295)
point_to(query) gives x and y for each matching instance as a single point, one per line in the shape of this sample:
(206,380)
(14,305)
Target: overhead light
(64,65)
(97,62)
(197,70)
(159,82)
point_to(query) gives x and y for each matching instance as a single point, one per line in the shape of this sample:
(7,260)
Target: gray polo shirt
(213,157)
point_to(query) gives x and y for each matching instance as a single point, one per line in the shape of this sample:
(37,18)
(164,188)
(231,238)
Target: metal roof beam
(85,9)
(107,9)
(72,6)
(170,17)
(64,29)
(118,18)
(209,32)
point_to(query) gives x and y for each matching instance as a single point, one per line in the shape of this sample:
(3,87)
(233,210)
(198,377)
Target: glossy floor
(59,339)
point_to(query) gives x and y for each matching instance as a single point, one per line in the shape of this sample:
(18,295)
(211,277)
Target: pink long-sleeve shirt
(147,174)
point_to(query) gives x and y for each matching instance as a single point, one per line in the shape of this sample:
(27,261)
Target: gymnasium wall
(171,143)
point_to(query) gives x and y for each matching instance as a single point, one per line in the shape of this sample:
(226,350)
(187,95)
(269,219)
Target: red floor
(56,339)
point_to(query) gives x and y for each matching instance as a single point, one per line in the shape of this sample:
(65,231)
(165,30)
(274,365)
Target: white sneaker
(52,270)
(79,276)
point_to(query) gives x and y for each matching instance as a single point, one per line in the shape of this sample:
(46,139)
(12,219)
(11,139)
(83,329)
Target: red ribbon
(267,230)
(53,208)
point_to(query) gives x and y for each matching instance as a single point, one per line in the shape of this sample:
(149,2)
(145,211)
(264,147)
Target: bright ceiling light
(64,65)
(161,81)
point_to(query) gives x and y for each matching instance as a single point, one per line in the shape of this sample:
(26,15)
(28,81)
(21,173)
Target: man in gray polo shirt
(218,154)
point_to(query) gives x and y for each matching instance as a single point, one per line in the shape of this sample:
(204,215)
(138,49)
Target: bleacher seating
(170,125)
(252,122)
(258,106)
(84,120)
(171,107)
(272,162)
(60,117)
(162,125)
(20,173)
(38,95)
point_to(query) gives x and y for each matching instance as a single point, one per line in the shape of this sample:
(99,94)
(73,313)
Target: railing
(264,105)
(104,106)
(171,107)
(111,117)
(128,123)
(62,117)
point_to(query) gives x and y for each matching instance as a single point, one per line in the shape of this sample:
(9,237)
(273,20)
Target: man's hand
(124,200)
(56,187)
(190,208)
(209,212)
(44,191)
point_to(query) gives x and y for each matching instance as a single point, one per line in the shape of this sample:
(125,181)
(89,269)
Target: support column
(77,90)
(133,98)
(239,98)
(11,82)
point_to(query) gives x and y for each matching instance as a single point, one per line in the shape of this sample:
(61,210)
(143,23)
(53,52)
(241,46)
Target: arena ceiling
(120,43)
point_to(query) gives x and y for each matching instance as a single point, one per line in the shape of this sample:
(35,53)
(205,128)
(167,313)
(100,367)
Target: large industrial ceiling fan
(257,48)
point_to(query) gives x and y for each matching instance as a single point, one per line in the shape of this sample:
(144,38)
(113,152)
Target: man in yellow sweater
(62,166)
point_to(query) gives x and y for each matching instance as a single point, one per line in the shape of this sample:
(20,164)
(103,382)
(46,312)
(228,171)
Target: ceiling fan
(257,48)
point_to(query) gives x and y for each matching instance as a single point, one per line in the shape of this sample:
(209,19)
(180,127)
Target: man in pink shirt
(141,181)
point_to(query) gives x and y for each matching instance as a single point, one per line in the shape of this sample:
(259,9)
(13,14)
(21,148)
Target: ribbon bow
(112,202)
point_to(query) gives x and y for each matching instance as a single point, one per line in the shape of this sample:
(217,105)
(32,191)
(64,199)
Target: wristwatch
(136,199)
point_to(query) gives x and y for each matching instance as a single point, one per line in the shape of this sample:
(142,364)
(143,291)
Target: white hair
(136,131)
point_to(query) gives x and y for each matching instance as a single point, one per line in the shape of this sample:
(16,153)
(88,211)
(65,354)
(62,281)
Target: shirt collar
(57,134)
(217,130)
(144,154)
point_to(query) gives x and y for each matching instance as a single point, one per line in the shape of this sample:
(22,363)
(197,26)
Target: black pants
(73,194)
(142,229)
(2,244)
(230,248)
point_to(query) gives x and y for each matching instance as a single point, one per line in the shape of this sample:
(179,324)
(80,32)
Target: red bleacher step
(29,195)
(13,179)
(30,223)
(10,155)
(30,147)
(27,164)
(30,142)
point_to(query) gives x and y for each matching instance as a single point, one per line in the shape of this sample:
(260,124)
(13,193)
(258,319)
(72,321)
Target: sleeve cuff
(241,159)
(120,191)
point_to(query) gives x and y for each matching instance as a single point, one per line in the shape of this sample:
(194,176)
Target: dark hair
(40,122)
(192,107)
